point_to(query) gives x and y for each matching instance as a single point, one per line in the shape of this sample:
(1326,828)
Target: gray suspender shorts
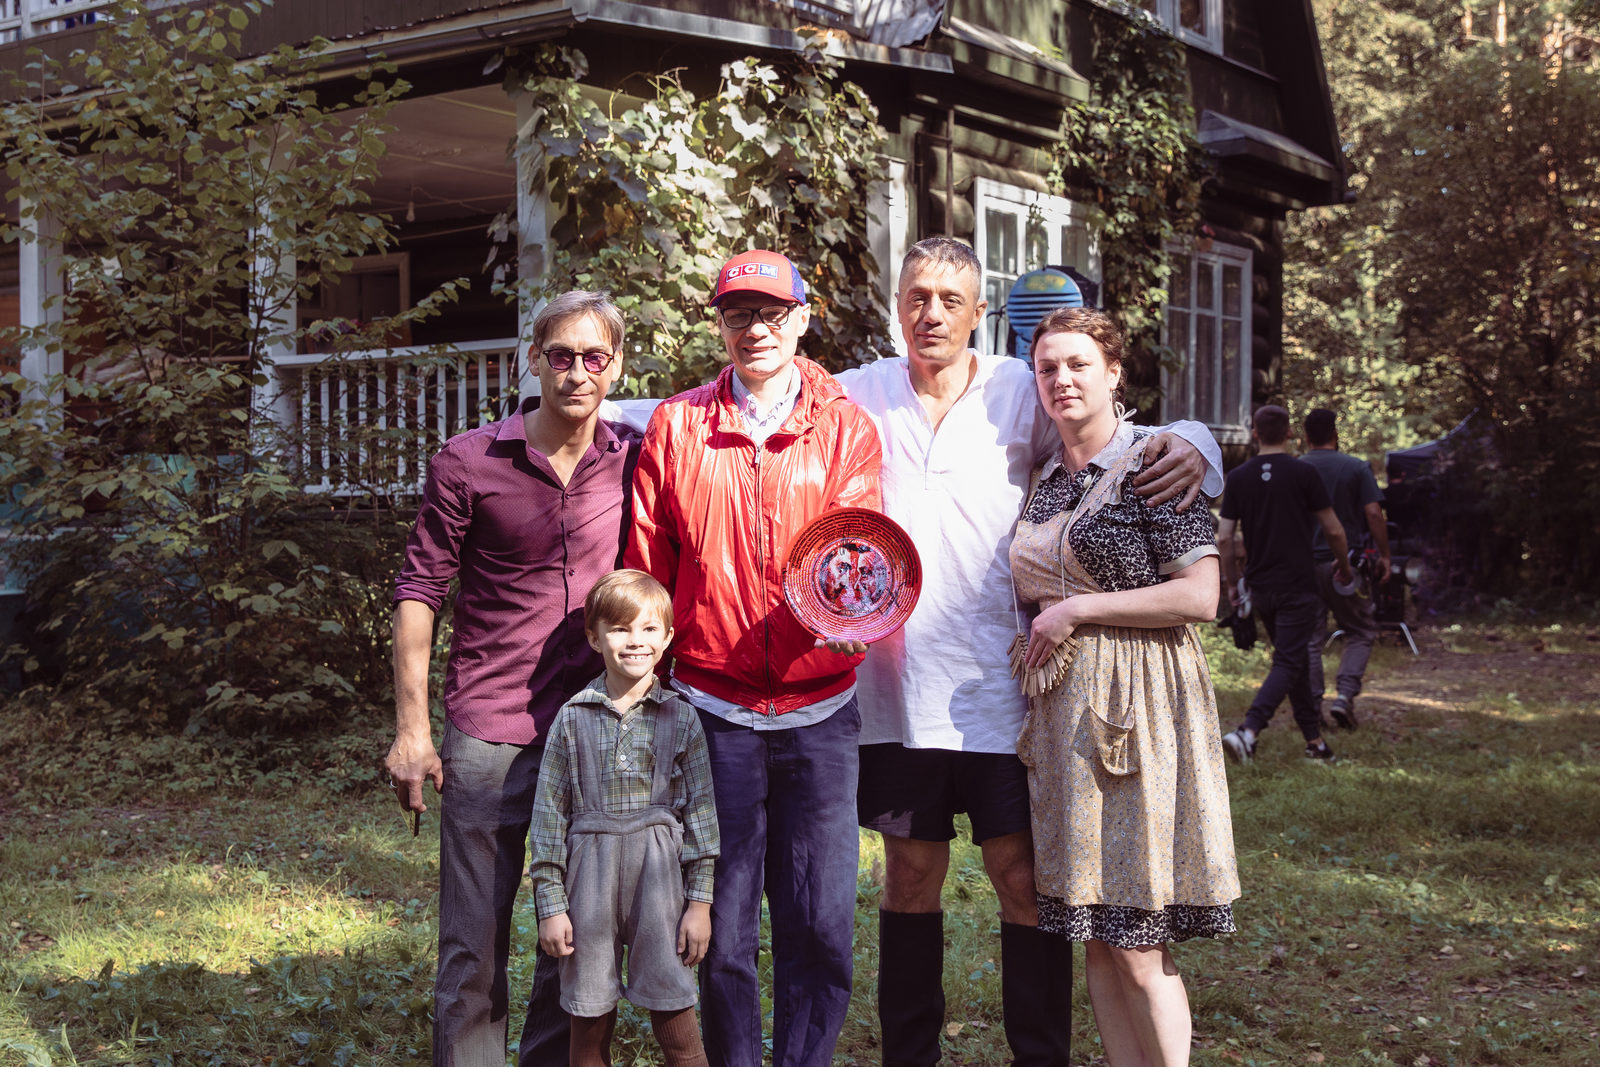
(625,886)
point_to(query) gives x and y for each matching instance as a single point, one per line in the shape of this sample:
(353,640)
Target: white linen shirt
(944,680)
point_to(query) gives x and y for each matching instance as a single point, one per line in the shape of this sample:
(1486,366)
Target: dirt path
(1482,669)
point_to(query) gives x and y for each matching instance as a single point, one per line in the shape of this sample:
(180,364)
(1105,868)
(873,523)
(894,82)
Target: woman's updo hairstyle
(1094,324)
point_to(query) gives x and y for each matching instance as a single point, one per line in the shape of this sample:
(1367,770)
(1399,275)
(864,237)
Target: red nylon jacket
(713,515)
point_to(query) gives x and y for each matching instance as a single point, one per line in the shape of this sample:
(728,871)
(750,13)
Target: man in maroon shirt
(527,513)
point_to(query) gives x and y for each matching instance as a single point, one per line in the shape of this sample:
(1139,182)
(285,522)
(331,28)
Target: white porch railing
(367,421)
(34,18)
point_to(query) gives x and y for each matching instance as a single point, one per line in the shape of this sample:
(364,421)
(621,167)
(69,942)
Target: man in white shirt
(961,433)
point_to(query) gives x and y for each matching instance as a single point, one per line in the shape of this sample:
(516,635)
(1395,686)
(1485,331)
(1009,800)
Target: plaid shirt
(627,742)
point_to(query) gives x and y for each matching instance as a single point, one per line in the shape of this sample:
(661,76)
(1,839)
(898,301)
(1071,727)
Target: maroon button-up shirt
(526,550)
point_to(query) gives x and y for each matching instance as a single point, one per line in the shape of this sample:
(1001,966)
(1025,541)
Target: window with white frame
(1208,326)
(1021,230)
(1194,21)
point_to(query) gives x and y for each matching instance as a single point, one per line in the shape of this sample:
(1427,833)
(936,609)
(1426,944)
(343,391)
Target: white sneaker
(1239,745)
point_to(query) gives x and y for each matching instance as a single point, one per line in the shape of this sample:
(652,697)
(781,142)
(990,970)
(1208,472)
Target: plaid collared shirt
(627,741)
(763,424)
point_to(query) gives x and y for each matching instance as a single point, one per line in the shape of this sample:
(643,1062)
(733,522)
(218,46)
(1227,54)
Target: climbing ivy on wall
(1133,152)
(649,199)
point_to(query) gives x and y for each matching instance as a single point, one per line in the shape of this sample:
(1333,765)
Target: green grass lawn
(1430,899)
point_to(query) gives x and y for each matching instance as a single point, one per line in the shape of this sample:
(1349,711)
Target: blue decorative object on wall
(1032,297)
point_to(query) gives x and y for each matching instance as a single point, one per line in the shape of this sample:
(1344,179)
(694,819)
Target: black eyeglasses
(773,315)
(595,360)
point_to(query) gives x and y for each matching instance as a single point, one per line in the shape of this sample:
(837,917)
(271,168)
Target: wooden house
(971,93)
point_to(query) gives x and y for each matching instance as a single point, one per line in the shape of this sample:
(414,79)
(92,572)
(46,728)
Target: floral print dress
(1132,837)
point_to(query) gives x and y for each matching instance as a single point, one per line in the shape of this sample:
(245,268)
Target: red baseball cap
(760,271)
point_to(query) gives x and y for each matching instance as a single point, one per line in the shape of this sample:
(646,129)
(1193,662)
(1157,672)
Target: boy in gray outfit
(624,835)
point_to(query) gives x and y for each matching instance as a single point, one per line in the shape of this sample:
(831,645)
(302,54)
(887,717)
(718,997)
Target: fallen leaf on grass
(1315,1057)
(1391,1029)
(1580,972)
(952,1029)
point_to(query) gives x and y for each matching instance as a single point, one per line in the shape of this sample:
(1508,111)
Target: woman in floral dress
(1133,844)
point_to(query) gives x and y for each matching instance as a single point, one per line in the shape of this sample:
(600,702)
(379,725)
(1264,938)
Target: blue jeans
(786,808)
(483,838)
(1289,618)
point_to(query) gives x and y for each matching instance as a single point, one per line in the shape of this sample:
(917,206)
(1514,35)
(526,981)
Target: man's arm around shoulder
(1182,458)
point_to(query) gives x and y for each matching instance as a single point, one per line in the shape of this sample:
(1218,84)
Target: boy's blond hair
(622,596)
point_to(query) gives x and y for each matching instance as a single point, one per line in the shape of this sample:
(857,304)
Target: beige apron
(1108,724)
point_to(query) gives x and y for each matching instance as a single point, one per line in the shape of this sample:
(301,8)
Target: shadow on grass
(316,1008)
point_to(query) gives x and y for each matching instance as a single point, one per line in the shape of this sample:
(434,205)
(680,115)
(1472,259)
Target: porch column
(533,234)
(41,284)
(272,276)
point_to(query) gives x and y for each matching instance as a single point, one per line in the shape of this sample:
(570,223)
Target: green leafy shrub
(180,571)
(1133,153)
(650,199)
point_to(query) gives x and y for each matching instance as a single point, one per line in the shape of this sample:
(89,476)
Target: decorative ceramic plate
(852,574)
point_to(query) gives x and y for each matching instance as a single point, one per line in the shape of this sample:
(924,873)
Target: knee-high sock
(678,1034)
(910,986)
(591,1040)
(1036,995)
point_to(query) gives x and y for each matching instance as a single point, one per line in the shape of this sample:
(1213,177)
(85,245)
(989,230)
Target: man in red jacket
(728,474)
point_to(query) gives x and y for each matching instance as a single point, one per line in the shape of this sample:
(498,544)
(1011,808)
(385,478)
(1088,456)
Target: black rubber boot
(1036,995)
(910,987)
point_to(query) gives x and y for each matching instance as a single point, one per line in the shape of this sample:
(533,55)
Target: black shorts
(917,792)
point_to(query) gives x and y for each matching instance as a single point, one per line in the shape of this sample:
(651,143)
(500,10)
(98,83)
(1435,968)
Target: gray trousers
(1354,615)
(483,833)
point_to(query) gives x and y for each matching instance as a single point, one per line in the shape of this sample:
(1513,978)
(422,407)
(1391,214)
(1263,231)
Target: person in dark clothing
(1277,500)
(1358,502)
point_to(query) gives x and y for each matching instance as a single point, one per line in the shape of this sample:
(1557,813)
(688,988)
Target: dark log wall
(1231,223)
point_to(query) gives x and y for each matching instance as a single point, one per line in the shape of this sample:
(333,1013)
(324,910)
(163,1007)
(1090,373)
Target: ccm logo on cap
(765,270)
